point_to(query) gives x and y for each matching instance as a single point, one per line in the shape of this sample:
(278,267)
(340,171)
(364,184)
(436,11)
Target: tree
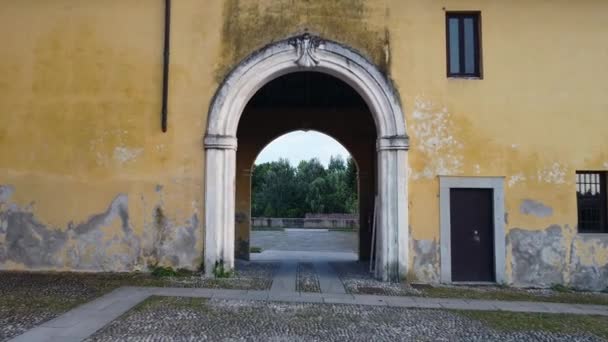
(274,189)
(336,164)
(352,188)
(280,190)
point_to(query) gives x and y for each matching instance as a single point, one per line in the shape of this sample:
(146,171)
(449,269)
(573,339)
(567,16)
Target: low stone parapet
(323,223)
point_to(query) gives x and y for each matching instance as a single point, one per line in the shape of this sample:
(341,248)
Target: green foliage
(219,270)
(166,271)
(280,190)
(555,323)
(161,271)
(255,250)
(560,288)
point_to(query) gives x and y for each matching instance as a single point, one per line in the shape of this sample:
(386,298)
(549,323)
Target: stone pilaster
(220,161)
(392,231)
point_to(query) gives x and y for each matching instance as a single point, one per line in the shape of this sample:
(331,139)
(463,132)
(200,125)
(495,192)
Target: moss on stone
(251,25)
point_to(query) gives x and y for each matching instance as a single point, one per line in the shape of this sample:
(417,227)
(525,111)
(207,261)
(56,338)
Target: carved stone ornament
(306,50)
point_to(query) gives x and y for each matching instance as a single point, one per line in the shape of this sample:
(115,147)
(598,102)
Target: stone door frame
(496,184)
(308,53)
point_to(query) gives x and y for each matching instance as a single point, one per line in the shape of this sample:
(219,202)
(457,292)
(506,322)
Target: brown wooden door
(472,234)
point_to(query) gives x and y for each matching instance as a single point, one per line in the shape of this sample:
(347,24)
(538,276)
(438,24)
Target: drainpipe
(167,47)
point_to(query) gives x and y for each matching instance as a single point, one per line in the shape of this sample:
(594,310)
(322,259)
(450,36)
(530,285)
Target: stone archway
(308,53)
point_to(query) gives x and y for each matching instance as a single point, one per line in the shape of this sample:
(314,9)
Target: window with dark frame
(463,44)
(592,201)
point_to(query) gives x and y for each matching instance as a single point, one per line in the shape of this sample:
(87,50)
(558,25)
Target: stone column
(392,230)
(220,170)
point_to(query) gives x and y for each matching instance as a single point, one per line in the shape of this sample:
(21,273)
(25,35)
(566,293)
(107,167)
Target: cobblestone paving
(187,319)
(28,299)
(358,280)
(305,241)
(248,276)
(307,278)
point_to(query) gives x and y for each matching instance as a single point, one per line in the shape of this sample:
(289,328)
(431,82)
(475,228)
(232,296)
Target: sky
(300,145)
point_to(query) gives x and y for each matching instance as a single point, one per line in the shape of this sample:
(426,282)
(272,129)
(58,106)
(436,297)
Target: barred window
(591,201)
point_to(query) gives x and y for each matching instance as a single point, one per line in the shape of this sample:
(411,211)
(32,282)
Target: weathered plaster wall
(94,184)
(528,119)
(250,25)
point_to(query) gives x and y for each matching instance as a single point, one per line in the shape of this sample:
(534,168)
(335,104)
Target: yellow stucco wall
(80,109)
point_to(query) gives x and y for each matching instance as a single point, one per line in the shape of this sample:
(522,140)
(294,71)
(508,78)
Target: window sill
(603,235)
(473,78)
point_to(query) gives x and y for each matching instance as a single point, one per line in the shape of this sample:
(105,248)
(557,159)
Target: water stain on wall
(426,260)
(535,208)
(104,242)
(251,25)
(557,255)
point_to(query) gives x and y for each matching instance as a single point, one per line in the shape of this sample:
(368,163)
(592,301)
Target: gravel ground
(358,280)
(307,278)
(187,319)
(29,299)
(248,276)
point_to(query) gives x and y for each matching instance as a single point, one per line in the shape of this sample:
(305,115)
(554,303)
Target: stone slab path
(83,321)
(328,278)
(284,279)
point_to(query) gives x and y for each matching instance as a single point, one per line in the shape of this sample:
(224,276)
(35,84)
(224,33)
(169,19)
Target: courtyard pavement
(306,240)
(85,320)
(319,298)
(305,245)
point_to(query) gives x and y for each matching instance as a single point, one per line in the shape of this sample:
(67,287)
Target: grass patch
(160,272)
(154,302)
(40,303)
(221,271)
(512,294)
(556,323)
(255,250)
(345,230)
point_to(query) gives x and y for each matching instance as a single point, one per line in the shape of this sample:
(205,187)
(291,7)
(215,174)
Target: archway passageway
(304,201)
(311,101)
(307,83)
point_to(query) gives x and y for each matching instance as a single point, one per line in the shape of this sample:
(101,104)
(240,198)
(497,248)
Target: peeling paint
(431,129)
(559,255)
(589,262)
(553,174)
(81,247)
(535,208)
(6,191)
(426,260)
(172,243)
(104,242)
(538,257)
(124,154)
(515,179)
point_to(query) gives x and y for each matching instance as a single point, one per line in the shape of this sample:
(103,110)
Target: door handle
(476,237)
